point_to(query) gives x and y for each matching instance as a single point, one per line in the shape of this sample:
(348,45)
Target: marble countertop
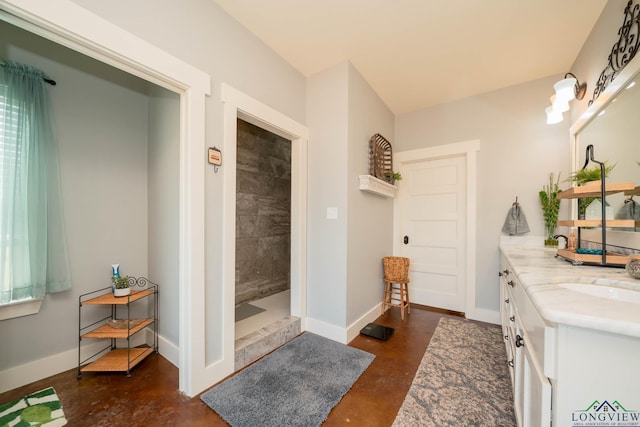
(539,271)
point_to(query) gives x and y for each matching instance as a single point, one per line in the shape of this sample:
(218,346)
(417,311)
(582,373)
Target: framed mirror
(610,125)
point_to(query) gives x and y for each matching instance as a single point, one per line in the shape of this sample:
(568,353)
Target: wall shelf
(373,185)
(612,223)
(593,189)
(596,189)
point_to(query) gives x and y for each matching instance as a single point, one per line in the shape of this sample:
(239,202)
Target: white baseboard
(327,330)
(484,315)
(354,329)
(340,334)
(42,368)
(167,349)
(54,364)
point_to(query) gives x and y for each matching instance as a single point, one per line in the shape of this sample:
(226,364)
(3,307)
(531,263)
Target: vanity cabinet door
(531,388)
(507,315)
(536,389)
(519,385)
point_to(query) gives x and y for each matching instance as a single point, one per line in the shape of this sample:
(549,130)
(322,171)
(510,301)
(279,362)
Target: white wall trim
(26,373)
(166,348)
(327,330)
(239,105)
(20,308)
(70,25)
(484,315)
(42,368)
(468,149)
(340,334)
(353,330)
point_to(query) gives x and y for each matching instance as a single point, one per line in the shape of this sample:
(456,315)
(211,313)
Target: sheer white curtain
(33,250)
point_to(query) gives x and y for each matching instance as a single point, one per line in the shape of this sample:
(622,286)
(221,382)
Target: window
(33,255)
(8,158)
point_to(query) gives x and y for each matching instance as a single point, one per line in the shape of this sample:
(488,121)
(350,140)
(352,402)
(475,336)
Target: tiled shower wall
(263,213)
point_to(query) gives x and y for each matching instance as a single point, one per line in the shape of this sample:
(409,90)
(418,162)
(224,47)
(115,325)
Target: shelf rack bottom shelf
(613,259)
(117,360)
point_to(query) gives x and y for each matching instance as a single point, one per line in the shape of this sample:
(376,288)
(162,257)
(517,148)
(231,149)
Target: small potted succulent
(392,177)
(121,286)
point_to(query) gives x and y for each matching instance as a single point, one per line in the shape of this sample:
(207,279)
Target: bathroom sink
(609,292)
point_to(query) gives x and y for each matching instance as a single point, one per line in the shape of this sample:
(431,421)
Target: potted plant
(121,286)
(583,176)
(550,208)
(392,177)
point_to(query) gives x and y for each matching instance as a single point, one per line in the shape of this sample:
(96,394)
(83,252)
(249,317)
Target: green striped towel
(41,408)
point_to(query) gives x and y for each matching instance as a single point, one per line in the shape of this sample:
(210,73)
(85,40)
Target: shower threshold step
(263,341)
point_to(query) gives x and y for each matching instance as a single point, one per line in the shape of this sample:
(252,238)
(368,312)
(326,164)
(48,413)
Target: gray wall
(203,35)
(263,213)
(517,149)
(327,113)
(594,54)
(163,208)
(517,152)
(370,218)
(344,259)
(591,61)
(101,117)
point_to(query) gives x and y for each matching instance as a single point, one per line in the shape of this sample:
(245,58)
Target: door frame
(70,25)
(240,105)
(467,149)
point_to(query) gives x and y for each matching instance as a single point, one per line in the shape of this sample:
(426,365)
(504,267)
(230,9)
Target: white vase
(121,292)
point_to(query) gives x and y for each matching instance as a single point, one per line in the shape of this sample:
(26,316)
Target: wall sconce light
(567,90)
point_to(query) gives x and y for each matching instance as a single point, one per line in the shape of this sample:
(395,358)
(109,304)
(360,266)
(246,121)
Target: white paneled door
(431,203)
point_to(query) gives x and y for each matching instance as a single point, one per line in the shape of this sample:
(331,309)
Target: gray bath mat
(296,385)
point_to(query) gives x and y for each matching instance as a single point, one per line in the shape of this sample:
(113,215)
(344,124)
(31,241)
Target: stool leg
(385,297)
(406,285)
(402,299)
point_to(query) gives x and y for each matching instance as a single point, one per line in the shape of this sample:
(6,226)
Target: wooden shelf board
(626,223)
(106,331)
(634,192)
(109,298)
(593,190)
(117,360)
(612,257)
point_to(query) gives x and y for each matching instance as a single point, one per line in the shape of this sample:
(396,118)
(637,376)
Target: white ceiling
(418,53)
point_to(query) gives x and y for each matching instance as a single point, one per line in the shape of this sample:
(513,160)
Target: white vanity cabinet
(565,368)
(524,335)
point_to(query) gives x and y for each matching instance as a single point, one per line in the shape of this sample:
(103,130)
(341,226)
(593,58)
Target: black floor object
(377,331)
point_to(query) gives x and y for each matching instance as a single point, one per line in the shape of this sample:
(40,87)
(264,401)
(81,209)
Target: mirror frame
(625,239)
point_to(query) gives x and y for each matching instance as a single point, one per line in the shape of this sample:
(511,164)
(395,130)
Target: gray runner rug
(462,380)
(296,385)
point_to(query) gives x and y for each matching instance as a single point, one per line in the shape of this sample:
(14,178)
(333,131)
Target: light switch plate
(332,213)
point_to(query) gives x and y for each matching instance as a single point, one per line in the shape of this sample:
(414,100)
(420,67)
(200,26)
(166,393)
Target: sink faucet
(566,241)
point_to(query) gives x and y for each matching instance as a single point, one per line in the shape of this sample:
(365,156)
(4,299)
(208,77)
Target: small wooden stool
(396,272)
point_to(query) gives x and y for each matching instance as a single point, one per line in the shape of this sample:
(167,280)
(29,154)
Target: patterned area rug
(463,379)
(41,408)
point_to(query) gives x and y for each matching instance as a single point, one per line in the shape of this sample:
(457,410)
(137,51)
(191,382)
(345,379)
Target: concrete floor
(150,397)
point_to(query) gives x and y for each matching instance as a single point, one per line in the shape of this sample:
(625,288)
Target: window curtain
(33,250)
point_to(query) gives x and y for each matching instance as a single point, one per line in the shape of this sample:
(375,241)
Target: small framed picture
(215,156)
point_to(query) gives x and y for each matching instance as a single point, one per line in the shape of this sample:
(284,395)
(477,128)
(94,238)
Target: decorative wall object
(380,158)
(623,50)
(215,157)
